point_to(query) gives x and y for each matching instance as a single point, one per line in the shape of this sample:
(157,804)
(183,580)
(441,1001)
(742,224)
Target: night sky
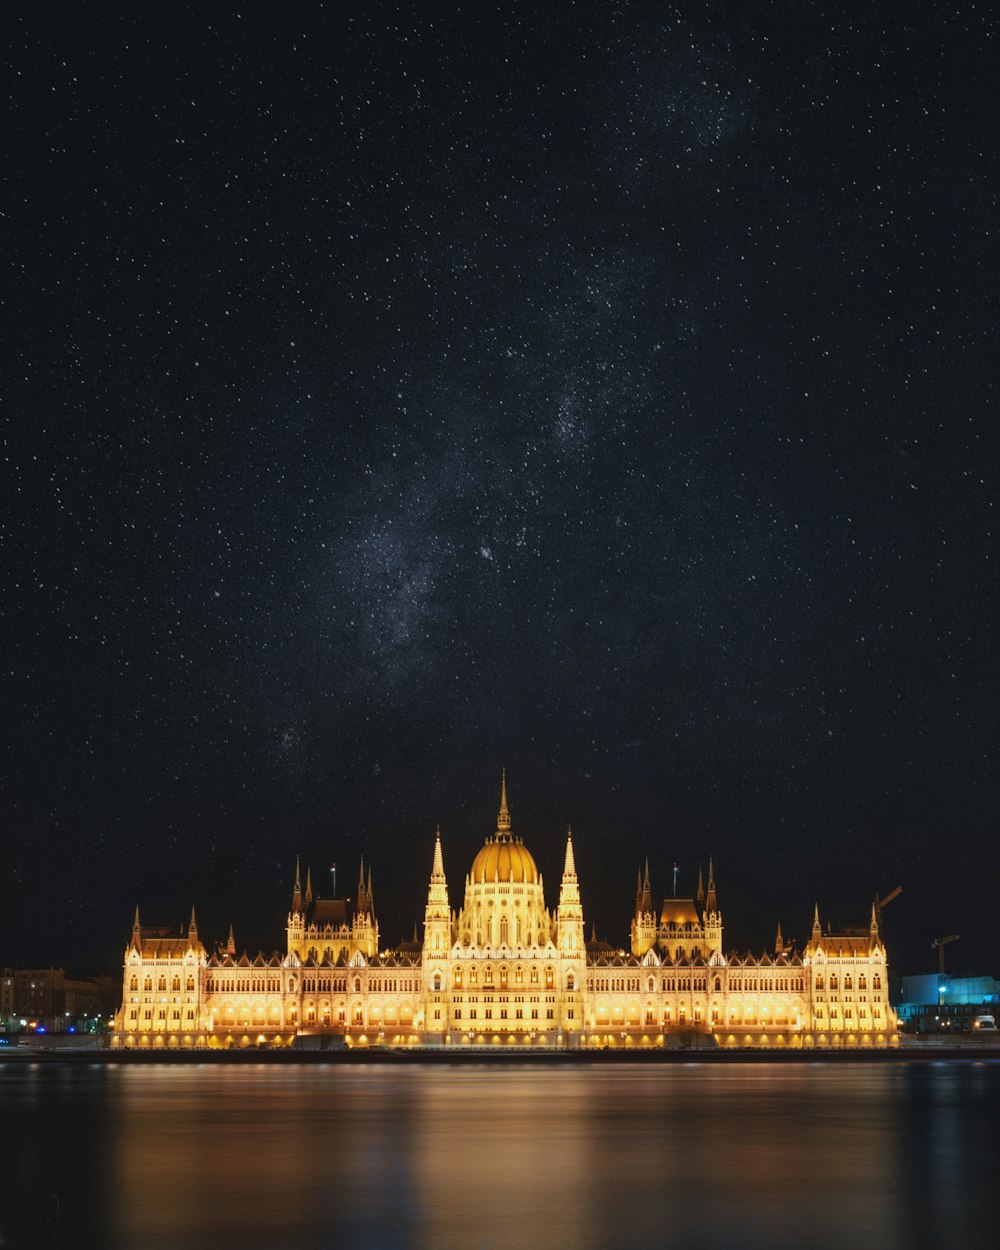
(391,394)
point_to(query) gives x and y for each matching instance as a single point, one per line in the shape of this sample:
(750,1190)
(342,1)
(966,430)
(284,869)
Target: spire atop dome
(503,818)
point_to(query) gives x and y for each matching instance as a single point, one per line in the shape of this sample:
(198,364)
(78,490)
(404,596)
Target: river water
(500,1156)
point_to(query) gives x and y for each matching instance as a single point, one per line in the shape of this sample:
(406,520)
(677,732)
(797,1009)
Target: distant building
(936,1003)
(505,970)
(47,1000)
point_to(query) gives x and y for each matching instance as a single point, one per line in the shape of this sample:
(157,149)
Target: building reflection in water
(502,1156)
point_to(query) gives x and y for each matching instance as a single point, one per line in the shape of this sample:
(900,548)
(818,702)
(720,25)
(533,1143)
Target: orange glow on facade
(504,970)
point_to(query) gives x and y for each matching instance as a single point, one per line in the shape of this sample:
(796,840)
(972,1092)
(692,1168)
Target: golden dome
(504,859)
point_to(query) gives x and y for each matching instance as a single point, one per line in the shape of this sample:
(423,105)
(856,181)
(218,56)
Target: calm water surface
(437,1157)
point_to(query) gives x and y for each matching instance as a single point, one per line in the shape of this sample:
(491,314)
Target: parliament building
(504,970)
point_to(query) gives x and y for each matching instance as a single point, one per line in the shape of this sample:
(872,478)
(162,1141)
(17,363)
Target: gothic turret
(437,914)
(364,926)
(569,914)
(297,889)
(569,939)
(644,922)
(712,917)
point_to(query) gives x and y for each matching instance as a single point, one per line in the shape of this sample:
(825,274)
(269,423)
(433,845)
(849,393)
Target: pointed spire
(710,903)
(369,893)
(361,878)
(593,931)
(503,818)
(647,894)
(569,866)
(309,885)
(700,896)
(816,924)
(297,888)
(437,870)
(231,944)
(135,922)
(193,926)
(779,941)
(874,920)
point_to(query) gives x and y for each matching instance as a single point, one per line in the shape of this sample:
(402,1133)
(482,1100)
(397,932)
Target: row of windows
(848,983)
(765,984)
(502,975)
(161,984)
(161,1014)
(848,1014)
(503,998)
(518,1013)
(669,985)
(246,985)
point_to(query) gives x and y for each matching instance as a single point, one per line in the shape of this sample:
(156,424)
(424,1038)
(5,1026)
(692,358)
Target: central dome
(504,859)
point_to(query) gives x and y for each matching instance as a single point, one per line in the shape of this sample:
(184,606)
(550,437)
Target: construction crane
(939,944)
(884,902)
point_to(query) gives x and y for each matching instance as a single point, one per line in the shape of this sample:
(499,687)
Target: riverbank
(479,1055)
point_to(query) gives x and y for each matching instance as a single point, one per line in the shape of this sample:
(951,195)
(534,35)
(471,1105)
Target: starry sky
(394,393)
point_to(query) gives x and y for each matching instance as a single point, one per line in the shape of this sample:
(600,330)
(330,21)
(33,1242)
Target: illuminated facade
(505,970)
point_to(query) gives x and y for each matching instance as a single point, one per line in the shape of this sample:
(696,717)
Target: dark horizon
(604,394)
